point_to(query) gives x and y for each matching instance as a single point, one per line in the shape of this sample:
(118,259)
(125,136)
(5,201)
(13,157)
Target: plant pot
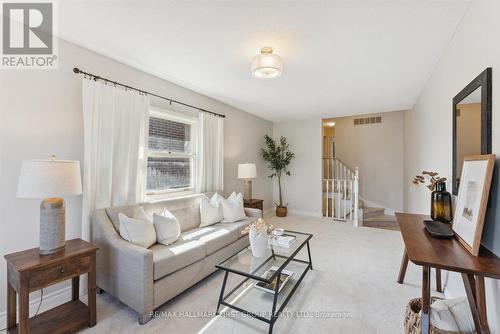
(258,243)
(281,211)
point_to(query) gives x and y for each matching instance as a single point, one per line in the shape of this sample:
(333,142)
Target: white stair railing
(340,191)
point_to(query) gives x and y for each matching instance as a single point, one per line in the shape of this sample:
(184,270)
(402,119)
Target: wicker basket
(412,318)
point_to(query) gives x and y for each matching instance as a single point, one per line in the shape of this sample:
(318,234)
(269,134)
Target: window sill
(152,197)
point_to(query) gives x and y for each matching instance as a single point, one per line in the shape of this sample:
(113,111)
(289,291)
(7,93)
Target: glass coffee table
(256,295)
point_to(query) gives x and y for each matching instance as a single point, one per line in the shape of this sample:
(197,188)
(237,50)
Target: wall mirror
(471,123)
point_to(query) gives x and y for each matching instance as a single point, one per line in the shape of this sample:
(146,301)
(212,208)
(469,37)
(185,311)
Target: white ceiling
(340,57)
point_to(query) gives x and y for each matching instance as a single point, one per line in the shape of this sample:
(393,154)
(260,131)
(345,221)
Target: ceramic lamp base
(52,226)
(247,191)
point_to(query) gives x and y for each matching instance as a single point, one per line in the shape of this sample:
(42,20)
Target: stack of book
(271,287)
(284,240)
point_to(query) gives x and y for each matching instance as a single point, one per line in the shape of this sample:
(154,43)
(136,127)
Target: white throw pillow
(142,215)
(167,228)
(232,208)
(211,210)
(137,231)
(452,315)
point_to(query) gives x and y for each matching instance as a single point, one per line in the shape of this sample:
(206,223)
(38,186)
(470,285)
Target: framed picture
(472,200)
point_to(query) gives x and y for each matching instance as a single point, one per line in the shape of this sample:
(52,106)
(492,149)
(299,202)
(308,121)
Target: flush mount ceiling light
(330,124)
(267,65)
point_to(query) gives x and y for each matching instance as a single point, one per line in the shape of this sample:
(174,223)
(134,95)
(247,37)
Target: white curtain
(211,153)
(115,138)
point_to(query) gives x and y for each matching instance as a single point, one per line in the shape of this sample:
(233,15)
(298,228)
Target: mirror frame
(483,80)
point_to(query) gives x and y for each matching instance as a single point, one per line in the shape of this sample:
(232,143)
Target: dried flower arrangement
(432,177)
(258,226)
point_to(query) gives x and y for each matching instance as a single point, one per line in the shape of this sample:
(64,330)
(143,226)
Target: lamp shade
(49,178)
(267,64)
(247,171)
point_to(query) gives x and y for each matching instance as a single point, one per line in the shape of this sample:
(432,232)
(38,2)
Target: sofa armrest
(251,212)
(124,269)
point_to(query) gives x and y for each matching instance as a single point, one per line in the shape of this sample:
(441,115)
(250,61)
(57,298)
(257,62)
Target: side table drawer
(40,278)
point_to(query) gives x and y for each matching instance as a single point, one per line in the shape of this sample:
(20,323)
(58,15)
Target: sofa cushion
(213,237)
(186,210)
(236,227)
(180,254)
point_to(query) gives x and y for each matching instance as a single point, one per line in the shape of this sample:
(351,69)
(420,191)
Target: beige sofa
(144,278)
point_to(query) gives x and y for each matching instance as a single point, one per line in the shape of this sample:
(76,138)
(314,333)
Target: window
(171,156)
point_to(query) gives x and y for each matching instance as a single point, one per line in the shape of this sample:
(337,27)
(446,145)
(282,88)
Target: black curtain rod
(96,77)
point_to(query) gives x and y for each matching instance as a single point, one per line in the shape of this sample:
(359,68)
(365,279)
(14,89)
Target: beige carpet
(353,285)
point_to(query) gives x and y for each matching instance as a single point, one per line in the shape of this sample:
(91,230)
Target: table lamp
(247,171)
(50,180)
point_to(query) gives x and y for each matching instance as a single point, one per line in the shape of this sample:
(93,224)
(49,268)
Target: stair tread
(381,218)
(370,209)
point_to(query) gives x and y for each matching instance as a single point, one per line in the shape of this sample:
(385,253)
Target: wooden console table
(29,271)
(448,254)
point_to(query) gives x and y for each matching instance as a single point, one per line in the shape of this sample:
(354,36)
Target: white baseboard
(49,301)
(272,212)
(305,213)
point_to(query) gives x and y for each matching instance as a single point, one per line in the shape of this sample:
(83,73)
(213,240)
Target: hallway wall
(428,128)
(377,149)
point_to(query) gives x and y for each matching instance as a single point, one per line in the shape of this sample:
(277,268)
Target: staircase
(340,191)
(375,217)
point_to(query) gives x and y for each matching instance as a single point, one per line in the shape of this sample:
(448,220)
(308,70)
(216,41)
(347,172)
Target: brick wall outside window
(167,136)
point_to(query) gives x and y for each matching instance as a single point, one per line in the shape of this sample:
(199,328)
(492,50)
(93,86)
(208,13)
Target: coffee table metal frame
(274,313)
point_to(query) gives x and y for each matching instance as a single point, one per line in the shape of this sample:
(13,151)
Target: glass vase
(441,204)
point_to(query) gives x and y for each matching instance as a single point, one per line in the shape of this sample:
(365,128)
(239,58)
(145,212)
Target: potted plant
(278,156)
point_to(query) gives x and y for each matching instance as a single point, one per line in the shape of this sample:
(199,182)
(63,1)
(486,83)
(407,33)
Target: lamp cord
(40,304)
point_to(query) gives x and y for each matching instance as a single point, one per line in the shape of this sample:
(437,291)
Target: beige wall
(377,149)
(428,128)
(41,114)
(302,190)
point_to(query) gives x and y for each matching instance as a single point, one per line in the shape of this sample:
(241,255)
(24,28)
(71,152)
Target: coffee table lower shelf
(246,289)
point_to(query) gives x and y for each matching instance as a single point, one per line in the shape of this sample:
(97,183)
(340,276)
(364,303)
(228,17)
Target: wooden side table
(29,271)
(254,203)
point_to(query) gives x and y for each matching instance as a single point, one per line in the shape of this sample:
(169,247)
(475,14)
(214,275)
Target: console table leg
(426,299)
(481,301)
(404,265)
(470,290)
(439,286)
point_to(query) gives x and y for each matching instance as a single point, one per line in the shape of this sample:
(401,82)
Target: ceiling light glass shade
(267,65)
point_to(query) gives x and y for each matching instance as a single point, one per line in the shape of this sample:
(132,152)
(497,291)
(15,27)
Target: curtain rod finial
(76,70)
